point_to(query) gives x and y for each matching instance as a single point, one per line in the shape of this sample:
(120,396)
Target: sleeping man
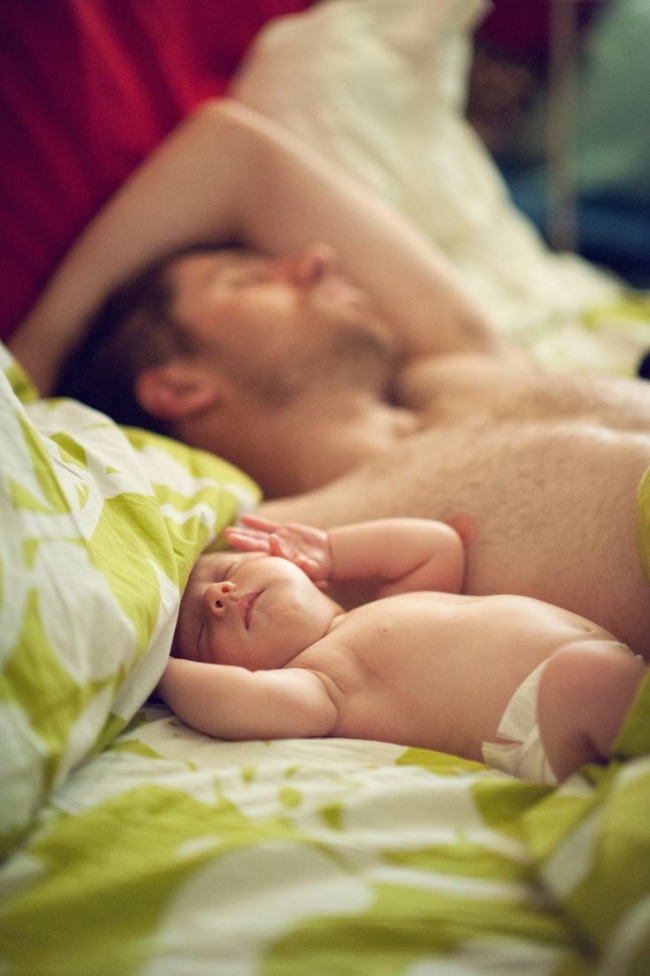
(342,407)
(261,650)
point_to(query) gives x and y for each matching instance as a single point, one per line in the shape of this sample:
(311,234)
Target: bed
(134,846)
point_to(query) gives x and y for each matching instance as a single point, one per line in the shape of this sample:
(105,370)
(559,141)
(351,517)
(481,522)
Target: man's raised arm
(227,173)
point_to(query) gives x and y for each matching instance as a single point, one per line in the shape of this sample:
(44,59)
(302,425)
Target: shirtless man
(539,473)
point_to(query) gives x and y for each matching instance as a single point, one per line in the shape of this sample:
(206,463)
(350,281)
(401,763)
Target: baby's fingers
(252,521)
(247,539)
(308,565)
(284,547)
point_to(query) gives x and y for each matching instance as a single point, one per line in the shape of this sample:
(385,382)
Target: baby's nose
(218,596)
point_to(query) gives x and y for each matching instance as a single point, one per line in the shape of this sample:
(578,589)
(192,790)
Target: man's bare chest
(471,396)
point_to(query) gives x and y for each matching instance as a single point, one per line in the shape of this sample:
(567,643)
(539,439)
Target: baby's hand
(303,545)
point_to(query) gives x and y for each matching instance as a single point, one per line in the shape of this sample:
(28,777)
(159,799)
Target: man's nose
(308,266)
(218,596)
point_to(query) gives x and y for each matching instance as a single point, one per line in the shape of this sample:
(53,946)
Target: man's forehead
(216,260)
(194,276)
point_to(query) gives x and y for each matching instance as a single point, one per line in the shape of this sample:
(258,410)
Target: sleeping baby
(263,650)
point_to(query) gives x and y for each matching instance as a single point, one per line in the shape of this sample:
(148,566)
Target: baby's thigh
(584,697)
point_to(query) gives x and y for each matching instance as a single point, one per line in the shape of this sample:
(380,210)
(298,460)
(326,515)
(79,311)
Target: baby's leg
(584,696)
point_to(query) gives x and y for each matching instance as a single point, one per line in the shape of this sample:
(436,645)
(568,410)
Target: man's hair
(133,330)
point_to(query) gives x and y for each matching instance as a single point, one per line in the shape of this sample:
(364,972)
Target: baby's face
(250,609)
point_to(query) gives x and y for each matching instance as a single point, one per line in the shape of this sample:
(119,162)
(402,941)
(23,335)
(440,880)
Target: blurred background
(560,94)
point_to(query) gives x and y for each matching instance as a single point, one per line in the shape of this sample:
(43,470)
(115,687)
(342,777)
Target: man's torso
(540,475)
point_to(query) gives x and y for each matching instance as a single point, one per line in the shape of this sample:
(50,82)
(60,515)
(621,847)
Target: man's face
(279,325)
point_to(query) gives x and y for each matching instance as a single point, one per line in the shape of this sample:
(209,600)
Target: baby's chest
(405,632)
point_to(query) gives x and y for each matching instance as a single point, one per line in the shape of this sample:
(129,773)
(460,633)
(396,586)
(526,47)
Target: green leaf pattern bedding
(100,528)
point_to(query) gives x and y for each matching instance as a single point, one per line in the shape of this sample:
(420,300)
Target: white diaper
(523,755)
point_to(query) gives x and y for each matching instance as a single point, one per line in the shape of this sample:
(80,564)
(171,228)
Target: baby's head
(250,609)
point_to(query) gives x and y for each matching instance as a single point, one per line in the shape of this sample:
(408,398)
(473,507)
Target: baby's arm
(584,697)
(404,554)
(232,703)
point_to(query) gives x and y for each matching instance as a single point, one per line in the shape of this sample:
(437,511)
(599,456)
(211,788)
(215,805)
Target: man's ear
(176,390)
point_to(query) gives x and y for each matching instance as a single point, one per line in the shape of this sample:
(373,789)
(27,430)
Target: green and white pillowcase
(100,529)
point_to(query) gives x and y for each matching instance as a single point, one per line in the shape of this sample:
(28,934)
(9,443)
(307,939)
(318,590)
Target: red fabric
(87,89)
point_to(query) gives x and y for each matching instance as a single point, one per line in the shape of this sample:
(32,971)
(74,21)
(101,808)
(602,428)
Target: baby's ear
(176,390)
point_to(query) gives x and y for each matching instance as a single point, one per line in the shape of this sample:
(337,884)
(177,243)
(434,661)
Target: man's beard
(352,358)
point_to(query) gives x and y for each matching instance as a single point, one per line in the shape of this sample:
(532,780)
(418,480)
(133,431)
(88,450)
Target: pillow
(100,528)
(379,87)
